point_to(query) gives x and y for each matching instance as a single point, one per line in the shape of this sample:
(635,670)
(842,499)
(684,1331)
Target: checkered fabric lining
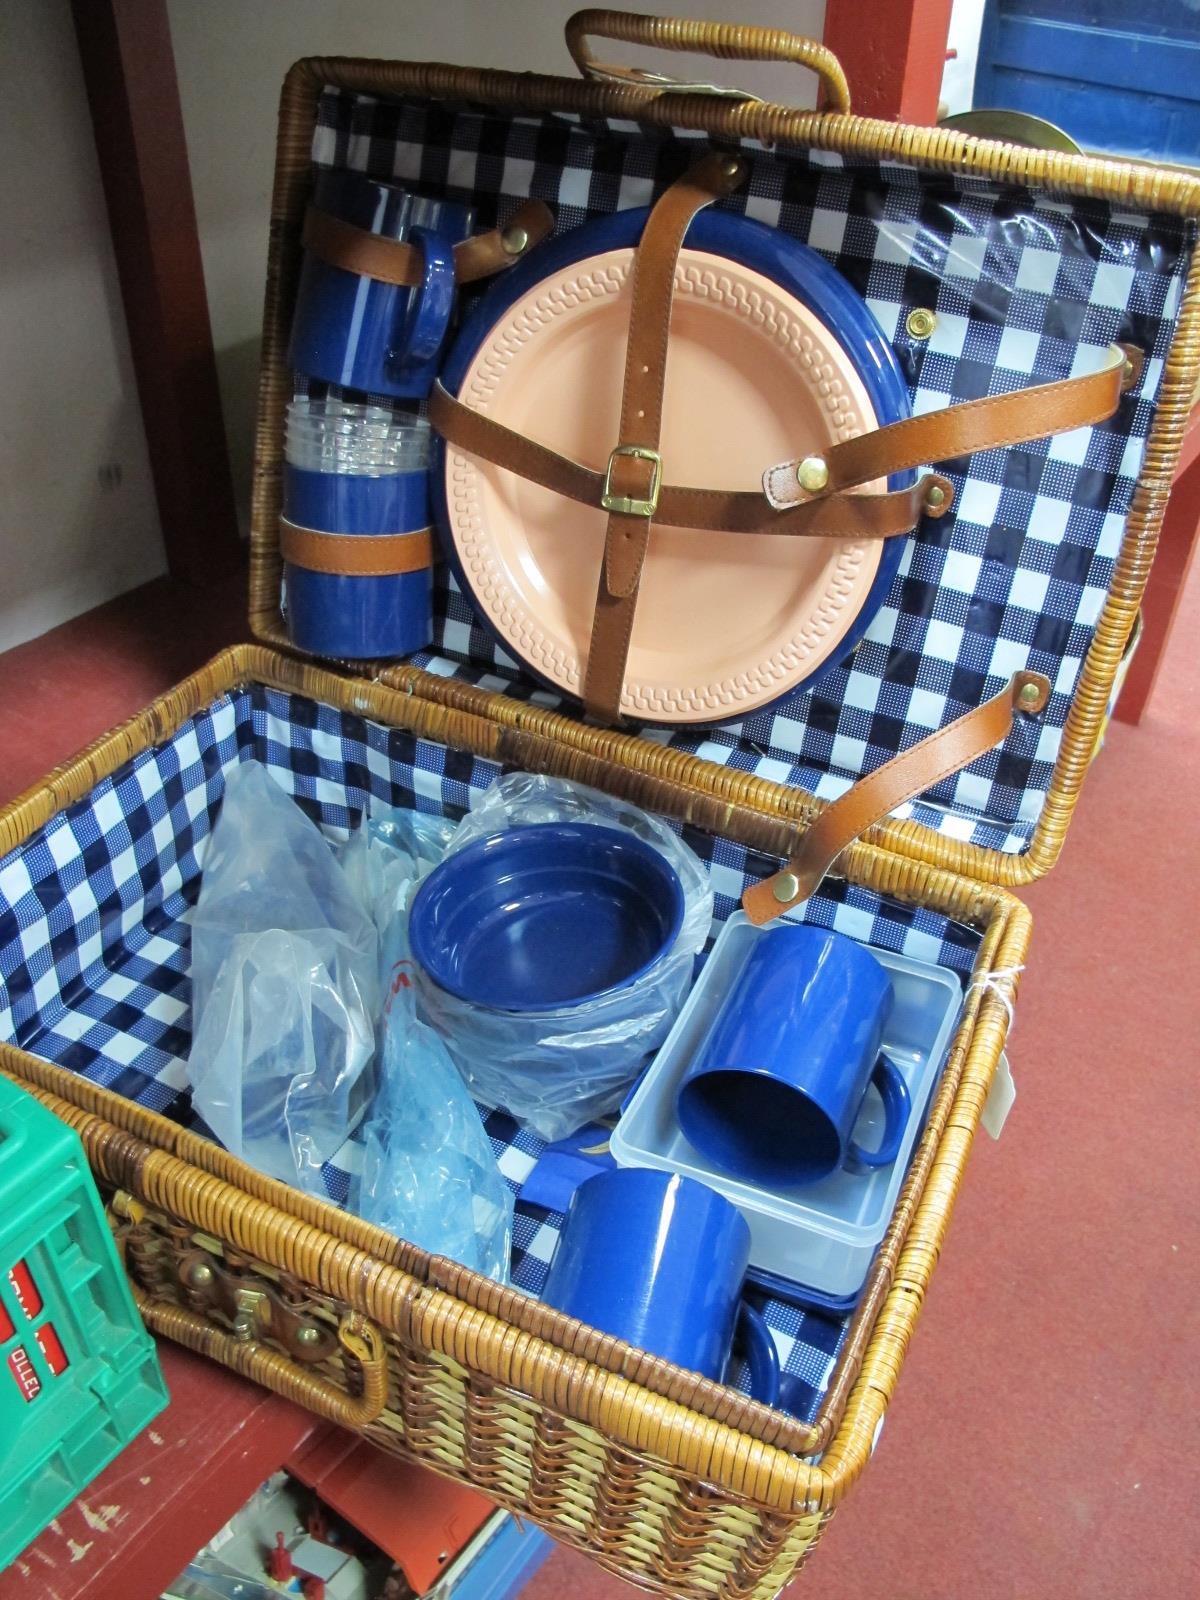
(1026,290)
(94,934)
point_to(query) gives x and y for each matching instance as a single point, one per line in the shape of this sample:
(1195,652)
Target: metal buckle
(626,504)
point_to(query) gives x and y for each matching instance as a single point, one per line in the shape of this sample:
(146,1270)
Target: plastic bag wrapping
(428,1172)
(555,1070)
(285,987)
(385,856)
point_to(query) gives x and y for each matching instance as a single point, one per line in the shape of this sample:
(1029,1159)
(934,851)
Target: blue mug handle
(897,1107)
(761,1356)
(431,302)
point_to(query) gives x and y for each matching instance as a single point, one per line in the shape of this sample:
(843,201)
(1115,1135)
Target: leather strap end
(720,172)
(395,261)
(771,897)
(1131,372)
(355,555)
(488,253)
(903,778)
(937,495)
(625,554)
(989,423)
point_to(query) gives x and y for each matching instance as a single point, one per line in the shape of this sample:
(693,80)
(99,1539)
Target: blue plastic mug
(354,616)
(777,1084)
(358,332)
(658,1260)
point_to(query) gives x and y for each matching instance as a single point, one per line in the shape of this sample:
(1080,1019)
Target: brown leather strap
(987,424)
(358,250)
(632,479)
(487,253)
(740,511)
(356,555)
(873,797)
(851,516)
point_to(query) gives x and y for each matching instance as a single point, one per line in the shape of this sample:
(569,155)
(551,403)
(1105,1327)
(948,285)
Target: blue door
(1117,75)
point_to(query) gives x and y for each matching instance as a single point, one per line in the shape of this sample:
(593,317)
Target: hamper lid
(1016,284)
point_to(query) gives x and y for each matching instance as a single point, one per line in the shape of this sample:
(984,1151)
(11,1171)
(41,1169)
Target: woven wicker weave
(675,1482)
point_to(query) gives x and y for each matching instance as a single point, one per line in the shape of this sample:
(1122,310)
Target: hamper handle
(871,799)
(274,1371)
(725,40)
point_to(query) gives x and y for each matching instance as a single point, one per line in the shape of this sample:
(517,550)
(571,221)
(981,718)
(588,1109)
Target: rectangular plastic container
(820,1237)
(78,1373)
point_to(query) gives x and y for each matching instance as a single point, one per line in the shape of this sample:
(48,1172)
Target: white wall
(71,536)
(958,80)
(231,56)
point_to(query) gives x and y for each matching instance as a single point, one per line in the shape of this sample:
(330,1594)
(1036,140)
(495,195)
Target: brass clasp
(625,504)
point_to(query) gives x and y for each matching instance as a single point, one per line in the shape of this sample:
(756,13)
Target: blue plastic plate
(798,271)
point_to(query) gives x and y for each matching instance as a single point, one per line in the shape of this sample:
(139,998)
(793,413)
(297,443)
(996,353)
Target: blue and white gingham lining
(94,937)
(1026,289)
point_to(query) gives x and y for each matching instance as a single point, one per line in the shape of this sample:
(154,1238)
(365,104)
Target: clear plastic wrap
(555,1070)
(383,859)
(428,1172)
(285,987)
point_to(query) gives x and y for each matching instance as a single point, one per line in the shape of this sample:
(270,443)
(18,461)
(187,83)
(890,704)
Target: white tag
(1000,1099)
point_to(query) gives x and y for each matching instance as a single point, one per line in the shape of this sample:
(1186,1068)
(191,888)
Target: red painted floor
(1043,1442)
(57,693)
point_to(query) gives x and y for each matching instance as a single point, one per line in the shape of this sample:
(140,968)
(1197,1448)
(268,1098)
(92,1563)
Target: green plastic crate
(78,1373)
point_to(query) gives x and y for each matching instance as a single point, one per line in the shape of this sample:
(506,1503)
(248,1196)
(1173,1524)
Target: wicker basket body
(673,1481)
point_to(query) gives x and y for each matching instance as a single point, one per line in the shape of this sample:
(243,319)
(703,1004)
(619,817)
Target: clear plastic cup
(333,435)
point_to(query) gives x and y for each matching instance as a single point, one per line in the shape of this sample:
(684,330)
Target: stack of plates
(772,357)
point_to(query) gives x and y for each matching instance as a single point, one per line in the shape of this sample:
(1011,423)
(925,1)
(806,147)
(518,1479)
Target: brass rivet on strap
(812,475)
(515,240)
(935,496)
(731,168)
(199,1274)
(308,1334)
(1030,697)
(920,323)
(786,888)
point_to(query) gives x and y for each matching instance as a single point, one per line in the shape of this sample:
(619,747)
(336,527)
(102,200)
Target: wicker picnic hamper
(677,1483)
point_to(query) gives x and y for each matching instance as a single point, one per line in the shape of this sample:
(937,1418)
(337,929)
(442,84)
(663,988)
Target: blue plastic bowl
(545,916)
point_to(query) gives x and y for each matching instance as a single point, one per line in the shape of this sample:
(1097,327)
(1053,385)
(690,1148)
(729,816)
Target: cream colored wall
(231,56)
(78,522)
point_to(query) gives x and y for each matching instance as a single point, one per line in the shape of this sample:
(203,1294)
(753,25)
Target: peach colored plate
(725,623)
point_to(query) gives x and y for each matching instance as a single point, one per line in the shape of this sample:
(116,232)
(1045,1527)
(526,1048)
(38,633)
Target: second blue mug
(355,617)
(658,1260)
(777,1083)
(358,332)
